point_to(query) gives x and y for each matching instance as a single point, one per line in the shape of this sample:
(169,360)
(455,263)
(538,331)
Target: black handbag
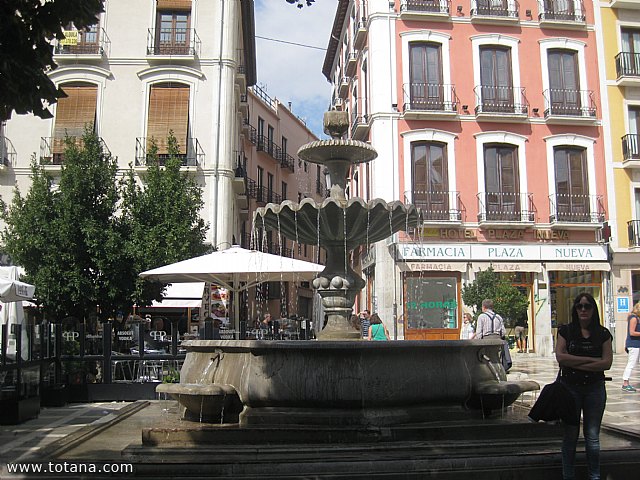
(555,402)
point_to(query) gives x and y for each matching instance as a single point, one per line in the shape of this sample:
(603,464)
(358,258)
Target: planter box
(15,411)
(54,396)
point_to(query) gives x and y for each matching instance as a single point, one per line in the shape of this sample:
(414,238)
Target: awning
(182,295)
(428,266)
(578,267)
(510,267)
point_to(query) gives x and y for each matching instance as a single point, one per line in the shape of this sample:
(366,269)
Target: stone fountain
(342,381)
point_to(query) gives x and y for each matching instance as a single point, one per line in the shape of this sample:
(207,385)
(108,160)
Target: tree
(26,53)
(67,238)
(509,302)
(161,218)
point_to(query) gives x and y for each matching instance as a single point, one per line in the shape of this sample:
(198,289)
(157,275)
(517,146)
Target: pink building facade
(487,115)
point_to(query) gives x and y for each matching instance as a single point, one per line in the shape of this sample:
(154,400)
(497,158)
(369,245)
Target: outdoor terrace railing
(52,148)
(500,99)
(173,41)
(287,161)
(191,156)
(433,6)
(436,205)
(429,97)
(568,102)
(505,207)
(574,208)
(495,8)
(628,64)
(8,153)
(630,148)
(563,10)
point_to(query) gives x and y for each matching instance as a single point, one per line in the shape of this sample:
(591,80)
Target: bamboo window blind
(168,110)
(74,113)
(174,4)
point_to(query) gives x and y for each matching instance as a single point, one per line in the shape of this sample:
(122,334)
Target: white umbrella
(12,293)
(235,269)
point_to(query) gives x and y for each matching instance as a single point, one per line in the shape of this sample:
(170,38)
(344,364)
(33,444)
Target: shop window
(431,302)
(565,287)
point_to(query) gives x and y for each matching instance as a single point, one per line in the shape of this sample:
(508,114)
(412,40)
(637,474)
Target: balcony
(360,33)
(575,210)
(429,100)
(569,106)
(633,228)
(352,64)
(244,104)
(191,156)
(495,11)
(501,209)
(501,103)
(561,13)
(628,69)
(8,154)
(287,162)
(359,126)
(437,207)
(630,150)
(52,149)
(252,134)
(82,45)
(321,189)
(241,71)
(343,88)
(419,9)
(265,145)
(630,4)
(173,42)
(263,195)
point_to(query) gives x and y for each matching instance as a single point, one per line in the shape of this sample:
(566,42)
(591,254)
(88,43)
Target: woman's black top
(583,347)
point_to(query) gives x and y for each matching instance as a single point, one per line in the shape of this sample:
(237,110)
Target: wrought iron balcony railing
(436,206)
(190,154)
(429,97)
(505,207)
(630,150)
(628,64)
(52,149)
(427,6)
(633,229)
(501,100)
(561,10)
(567,102)
(93,42)
(495,8)
(173,41)
(287,161)
(264,195)
(7,152)
(574,208)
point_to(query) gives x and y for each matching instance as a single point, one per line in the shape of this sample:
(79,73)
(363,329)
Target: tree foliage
(26,53)
(509,302)
(84,241)
(161,218)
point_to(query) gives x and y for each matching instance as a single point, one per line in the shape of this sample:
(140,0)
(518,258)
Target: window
(172,27)
(261,145)
(572,199)
(284,191)
(86,41)
(564,82)
(630,40)
(425,73)
(74,113)
(270,133)
(284,146)
(431,302)
(270,187)
(560,10)
(502,196)
(496,91)
(260,183)
(430,182)
(492,7)
(630,141)
(168,111)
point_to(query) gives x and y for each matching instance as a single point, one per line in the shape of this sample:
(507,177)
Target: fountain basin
(205,402)
(350,382)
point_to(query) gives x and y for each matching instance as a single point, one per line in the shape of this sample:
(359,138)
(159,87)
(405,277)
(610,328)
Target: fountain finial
(336,123)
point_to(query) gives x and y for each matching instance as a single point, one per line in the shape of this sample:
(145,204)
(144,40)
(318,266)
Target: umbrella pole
(236,305)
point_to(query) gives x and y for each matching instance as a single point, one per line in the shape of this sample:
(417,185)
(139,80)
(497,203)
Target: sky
(293,73)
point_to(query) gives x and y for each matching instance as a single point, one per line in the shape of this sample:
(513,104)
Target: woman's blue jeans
(591,399)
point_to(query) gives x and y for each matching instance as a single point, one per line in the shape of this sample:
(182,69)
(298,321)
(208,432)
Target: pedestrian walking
(632,347)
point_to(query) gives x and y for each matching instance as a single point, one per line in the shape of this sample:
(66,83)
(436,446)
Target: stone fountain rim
(315,152)
(251,345)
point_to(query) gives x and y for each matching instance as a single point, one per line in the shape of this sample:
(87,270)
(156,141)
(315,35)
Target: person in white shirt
(466,331)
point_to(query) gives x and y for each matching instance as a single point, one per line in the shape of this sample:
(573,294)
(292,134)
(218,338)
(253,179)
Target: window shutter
(73,113)
(174,5)
(168,110)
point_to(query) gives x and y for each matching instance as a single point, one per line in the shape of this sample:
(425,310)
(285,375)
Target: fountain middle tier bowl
(334,222)
(351,382)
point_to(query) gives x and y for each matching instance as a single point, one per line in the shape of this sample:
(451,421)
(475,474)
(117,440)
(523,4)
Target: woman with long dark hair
(584,351)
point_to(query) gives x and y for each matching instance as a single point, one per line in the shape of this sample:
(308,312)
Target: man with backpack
(491,325)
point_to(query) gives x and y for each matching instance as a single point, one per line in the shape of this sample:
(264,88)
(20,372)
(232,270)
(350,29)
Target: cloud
(292,73)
